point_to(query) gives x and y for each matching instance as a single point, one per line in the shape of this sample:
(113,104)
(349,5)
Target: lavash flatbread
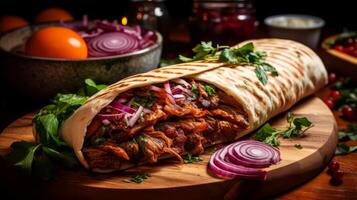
(301,73)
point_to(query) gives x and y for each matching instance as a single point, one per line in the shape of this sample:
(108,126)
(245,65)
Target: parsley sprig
(244,55)
(297,126)
(350,133)
(49,151)
(137,178)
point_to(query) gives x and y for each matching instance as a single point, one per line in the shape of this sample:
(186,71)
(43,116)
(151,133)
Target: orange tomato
(56,42)
(8,23)
(53,15)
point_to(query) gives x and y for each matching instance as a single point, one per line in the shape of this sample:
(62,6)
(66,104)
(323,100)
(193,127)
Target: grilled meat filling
(174,119)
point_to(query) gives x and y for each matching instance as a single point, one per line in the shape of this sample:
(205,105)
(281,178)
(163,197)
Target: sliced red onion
(135,117)
(110,117)
(148,39)
(107,26)
(179,97)
(135,31)
(219,171)
(182,82)
(167,87)
(251,153)
(92,34)
(252,157)
(123,108)
(131,102)
(179,89)
(113,43)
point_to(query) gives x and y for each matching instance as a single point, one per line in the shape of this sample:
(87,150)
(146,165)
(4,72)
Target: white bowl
(302,28)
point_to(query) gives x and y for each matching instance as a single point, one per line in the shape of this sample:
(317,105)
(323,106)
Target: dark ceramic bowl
(42,78)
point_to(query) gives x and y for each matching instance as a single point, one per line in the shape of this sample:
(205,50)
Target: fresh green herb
(297,126)
(194,90)
(348,134)
(343,149)
(50,151)
(146,102)
(138,178)
(244,55)
(298,146)
(90,88)
(208,89)
(191,159)
(204,51)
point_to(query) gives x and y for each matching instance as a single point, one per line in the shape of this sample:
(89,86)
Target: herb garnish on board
(296,128)
(138,178)
(244,55)
(350,133)
(41,158)
(191,159)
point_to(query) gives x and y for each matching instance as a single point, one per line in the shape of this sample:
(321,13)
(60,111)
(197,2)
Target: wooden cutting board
(189,181)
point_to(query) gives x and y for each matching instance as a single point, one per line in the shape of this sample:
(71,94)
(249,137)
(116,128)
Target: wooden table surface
(319,186)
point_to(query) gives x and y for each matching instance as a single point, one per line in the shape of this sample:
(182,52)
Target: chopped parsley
(191,159)
(146,102)
(208,89)
(244,55)
(296,128)
(194,90)
(138,178)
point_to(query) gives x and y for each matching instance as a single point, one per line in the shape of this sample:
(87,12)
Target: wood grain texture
(189,181)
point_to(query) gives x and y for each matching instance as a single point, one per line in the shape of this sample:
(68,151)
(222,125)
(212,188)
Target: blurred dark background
(338,14)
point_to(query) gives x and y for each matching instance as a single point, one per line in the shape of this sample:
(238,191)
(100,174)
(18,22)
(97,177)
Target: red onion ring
(252,157)
(113,43)
(123,108)
(251,153)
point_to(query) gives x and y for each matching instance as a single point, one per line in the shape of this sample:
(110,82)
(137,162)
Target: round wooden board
(190,181)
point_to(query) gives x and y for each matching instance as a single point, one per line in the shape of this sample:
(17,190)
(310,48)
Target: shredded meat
(100,159)
(93,127)
(195,143)
(231,115)
(185,108)
(122,132)
(132,148)
(113,148)
(187,125)
(151,147)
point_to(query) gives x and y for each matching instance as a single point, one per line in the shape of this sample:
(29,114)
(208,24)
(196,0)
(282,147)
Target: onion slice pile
(244,159)
(106,38)
(113,43)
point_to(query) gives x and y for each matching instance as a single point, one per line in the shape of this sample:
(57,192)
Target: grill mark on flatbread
(193,64)
(251,84)
(288,61)
(171,72)
(276,62)
(148,76)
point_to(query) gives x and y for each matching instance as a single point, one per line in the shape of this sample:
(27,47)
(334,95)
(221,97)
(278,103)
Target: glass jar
(150,14)
(223,21)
